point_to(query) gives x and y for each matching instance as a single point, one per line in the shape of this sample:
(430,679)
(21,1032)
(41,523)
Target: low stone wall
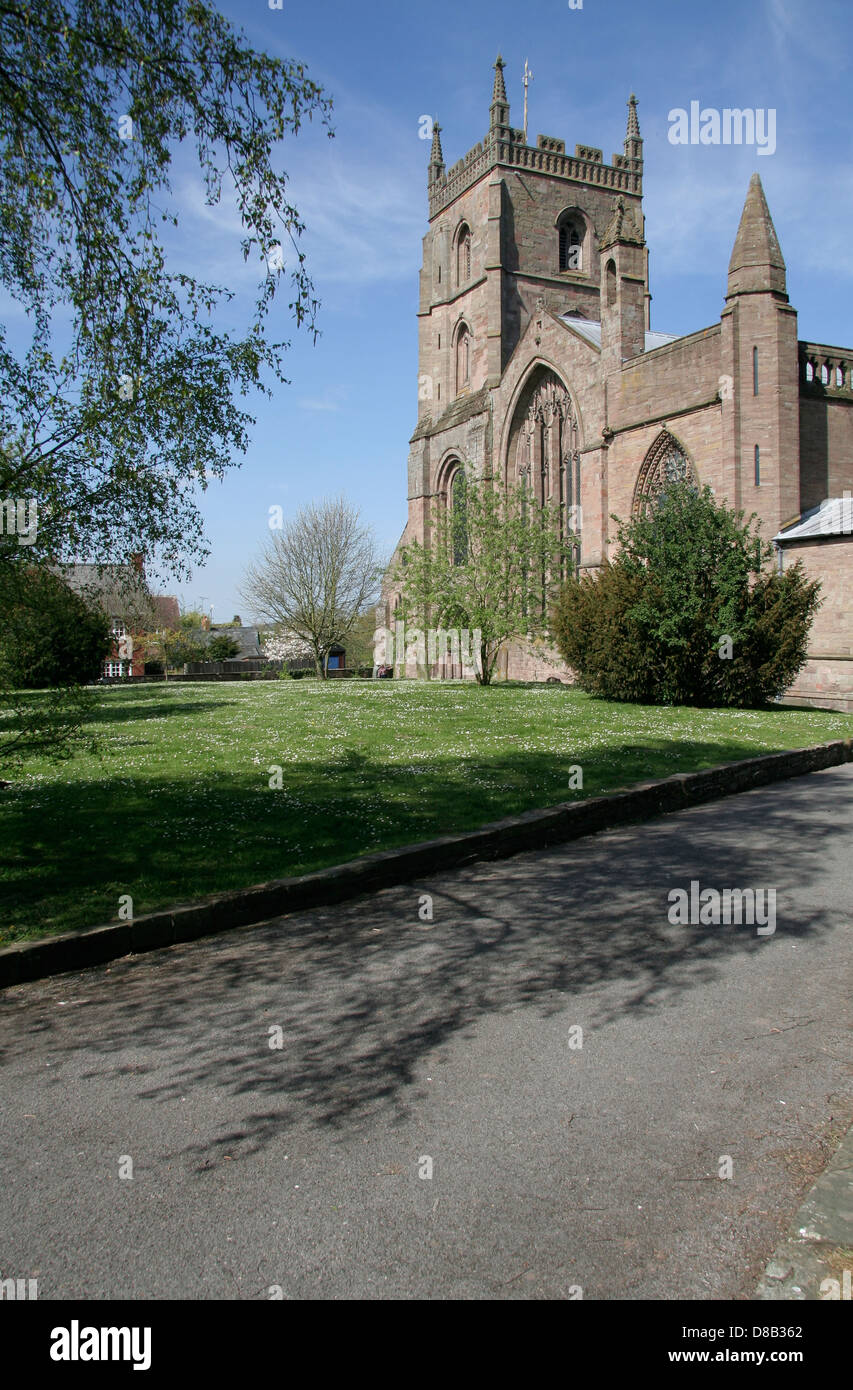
(531,830)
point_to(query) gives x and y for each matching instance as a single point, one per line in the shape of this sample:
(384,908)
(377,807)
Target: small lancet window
(463,358)
(610,284)
(463,256)
(458,518)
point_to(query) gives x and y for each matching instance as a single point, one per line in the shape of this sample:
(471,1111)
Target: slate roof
(591,330)
(248,639)
(834,517)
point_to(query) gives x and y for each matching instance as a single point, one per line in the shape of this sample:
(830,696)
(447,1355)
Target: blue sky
(344,421)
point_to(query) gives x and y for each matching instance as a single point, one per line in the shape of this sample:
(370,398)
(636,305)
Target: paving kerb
(819,1244)
(513,835)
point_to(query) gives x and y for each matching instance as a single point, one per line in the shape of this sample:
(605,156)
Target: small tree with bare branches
(316,575)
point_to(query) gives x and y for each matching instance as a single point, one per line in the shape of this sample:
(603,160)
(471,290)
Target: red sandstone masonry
(700,387)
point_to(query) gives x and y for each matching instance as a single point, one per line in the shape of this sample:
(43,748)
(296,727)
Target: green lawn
(177,803)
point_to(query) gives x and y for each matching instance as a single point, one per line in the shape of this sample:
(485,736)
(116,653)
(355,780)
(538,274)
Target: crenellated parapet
(504,145)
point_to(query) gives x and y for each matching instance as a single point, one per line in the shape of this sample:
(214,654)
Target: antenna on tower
(528,77)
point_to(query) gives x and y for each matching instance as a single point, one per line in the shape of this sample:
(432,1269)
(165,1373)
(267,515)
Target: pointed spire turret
(757,263)
(633,123)
(499,109)
(499,91)
(633,140)
(436,156)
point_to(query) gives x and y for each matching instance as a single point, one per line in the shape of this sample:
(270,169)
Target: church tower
(514,228)
(510,223)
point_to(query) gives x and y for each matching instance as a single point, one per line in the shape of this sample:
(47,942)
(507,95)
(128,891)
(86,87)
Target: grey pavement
(555,1168)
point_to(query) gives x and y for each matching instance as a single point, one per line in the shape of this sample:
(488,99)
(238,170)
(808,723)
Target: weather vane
(528,77)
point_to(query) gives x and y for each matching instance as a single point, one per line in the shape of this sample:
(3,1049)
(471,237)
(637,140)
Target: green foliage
(359,643)
(600,637)
(50,636)
(689,612)
(191,620)
(124,399)
(180,648)
(221,648)
(494,564)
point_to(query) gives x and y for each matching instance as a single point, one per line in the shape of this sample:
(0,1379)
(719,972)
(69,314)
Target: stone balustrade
(825,368)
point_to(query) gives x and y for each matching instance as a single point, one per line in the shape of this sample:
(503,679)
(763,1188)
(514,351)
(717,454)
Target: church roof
(591,330)
(834,517)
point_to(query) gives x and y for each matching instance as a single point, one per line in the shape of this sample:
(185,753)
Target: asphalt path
(557,1169)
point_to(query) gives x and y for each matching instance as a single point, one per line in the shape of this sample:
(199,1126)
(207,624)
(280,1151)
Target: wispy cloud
(798,30)
(332,400)
(362,198)
(693,213)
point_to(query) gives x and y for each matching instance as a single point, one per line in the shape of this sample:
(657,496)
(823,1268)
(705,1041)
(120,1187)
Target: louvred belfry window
(571,247)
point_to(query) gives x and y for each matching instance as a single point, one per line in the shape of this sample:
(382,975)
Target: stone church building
(537,360)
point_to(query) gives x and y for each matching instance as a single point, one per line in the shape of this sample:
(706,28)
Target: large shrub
(689,611)
(50,636)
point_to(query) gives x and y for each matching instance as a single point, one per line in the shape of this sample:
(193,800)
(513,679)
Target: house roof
(121,591)
(247,639)
(167,612)
(591,330)
(834,517)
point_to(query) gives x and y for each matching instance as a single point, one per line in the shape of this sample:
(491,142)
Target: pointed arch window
(463,255)
(571,247)
(458,510)
(610,284)
(463,358)
(666,462)
(571,234)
